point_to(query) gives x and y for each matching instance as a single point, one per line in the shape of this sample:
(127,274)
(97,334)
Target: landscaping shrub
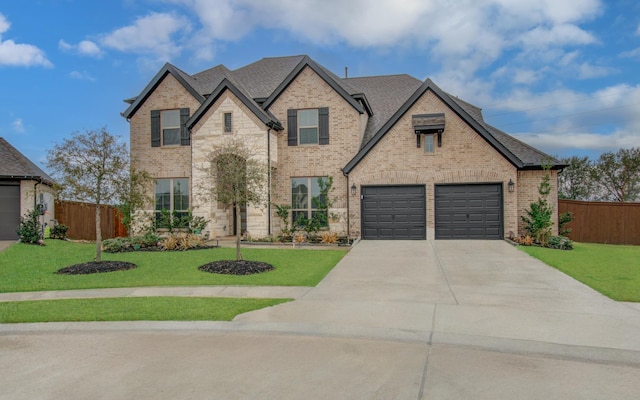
(563,220)
(560,242)
(329,237)
(59,231)
(121,244)
(29,228)
(538,221)
(182,241)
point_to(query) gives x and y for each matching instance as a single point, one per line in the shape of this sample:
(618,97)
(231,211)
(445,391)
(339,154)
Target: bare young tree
(235,178)
(91,167)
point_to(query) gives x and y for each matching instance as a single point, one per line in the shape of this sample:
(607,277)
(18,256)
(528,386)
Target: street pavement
(394,320)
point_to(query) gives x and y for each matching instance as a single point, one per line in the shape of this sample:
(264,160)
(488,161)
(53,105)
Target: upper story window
(308,126)
(428,143)
(168,127)
(170,120)
(227,122)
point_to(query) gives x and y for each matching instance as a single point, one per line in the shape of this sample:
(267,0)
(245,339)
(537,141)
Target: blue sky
(562,75)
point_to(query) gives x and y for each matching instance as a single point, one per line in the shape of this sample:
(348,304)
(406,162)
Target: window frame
(429,144)
(227,128)
(163,128)
(172,199)
(313,192)
(316,126)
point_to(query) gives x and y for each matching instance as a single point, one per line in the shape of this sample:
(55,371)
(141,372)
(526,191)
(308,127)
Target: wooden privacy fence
(599,222)
(81,220)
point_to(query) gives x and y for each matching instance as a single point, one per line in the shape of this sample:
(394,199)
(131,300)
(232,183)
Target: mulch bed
(233,267)
(96,267)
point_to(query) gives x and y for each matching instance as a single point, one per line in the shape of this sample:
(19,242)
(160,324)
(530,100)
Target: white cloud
(635,53)
(83,48)
(18,54)
(81,75)
(588,71)
(154,34)
(18,126)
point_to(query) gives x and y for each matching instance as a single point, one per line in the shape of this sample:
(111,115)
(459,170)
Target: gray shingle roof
(14,164)
(386,94)
(263,81)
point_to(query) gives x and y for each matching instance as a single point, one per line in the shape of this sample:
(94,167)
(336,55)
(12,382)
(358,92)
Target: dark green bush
(59,231)
(560,242)
(29,228)
(121,244)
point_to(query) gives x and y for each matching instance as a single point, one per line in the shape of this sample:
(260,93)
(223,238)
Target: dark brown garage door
(393,212)
(9,210)
(472,211)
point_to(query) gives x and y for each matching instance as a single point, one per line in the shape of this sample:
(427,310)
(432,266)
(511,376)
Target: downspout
(269,181)
(348,209)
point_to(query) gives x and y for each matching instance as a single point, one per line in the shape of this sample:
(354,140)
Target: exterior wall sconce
(353,189)
(511,186)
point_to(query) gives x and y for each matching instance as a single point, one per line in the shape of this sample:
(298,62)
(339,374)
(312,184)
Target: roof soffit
(308,62)
(155,82)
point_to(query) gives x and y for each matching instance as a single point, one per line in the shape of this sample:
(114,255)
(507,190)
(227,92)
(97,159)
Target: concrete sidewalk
(404,320)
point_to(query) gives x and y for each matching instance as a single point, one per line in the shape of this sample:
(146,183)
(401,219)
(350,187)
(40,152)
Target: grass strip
(26,267)
(612,270)
(132,309)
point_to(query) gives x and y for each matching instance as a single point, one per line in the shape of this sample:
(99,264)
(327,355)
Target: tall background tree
(235,178)
(91,167)
(575,182)
(618,175)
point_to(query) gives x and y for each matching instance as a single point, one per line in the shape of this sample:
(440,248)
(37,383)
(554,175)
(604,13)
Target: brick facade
(464,157)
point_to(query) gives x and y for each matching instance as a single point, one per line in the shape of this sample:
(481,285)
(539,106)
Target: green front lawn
(612,270)
(26,267)
(131,309)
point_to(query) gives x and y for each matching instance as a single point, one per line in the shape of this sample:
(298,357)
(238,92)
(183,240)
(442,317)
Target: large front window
(308,126)
(172,195)
(307,201)
(170,120)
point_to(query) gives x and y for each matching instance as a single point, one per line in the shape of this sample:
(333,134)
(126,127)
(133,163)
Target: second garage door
(472,211)
(393,212)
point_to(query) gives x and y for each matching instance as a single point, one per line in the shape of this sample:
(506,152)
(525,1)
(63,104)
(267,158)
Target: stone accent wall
(209,133)
(465,157)
(309,90)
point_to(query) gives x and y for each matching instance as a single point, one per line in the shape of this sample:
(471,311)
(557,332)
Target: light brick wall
(161,162)
(309,90)
(465,157)
(29,191)
(527,188)
(209,133)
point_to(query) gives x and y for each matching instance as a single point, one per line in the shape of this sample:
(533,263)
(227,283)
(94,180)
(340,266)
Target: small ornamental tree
(235,178)
(133,195)
(91,167)
(538,221)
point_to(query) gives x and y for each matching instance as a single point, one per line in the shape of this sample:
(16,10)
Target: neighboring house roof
(14,165)
(384,98)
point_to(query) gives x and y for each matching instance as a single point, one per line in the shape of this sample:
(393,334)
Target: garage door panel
(393,212)
(468,211)
(9,211)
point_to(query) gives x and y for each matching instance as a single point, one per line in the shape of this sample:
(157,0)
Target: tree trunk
(238,232)
(98,234)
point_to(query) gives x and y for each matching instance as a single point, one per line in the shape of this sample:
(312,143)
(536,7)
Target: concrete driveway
(394,320)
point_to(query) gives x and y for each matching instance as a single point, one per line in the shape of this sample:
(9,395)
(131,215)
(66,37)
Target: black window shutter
(292,127)
(185,138)
(418,140)
(155,128)
(323,122)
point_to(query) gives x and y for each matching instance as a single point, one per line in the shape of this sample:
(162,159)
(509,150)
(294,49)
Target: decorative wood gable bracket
(428,124)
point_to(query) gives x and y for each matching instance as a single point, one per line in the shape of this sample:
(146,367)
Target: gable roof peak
(14,164)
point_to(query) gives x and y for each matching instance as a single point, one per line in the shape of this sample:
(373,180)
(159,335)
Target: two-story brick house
(408,160)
